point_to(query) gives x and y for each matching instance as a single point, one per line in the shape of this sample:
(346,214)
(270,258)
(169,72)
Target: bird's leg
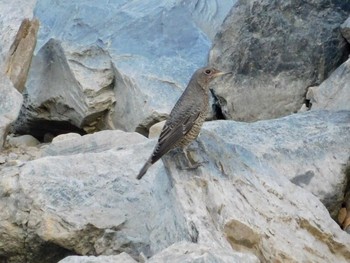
(191,163)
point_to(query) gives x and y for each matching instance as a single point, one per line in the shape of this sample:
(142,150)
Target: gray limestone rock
(64,91)
(256,193)
(276,50)
(97,142)
(334,92)
(155,47)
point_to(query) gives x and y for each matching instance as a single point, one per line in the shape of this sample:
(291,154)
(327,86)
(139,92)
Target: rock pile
(101,74)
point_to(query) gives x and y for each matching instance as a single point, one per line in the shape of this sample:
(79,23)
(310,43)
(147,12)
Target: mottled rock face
(276,49)
(249,200)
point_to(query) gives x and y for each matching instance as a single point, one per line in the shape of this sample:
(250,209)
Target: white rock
(66,136)
(23,141)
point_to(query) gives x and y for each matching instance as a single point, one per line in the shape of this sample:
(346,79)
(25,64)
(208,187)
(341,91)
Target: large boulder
(67,91)
(256,194)
(155,47)
(276,50)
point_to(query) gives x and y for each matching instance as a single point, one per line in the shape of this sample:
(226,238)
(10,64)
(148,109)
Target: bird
(186,118)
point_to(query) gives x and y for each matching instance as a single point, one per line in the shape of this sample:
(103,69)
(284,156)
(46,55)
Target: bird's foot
(192,166)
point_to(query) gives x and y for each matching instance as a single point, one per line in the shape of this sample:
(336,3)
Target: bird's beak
(220,73)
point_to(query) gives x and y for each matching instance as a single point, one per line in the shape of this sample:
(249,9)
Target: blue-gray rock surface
(154,46)
(259,189)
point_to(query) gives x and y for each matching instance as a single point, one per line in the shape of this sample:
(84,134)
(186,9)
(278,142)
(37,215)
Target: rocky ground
(85,83)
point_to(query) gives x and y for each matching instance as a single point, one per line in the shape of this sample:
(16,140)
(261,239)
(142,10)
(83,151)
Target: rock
(21,53)
(321,151)
(156,129)
(185,252)
(276,50)
(255,195)
(52,107)
(12,15)
(10,104)
(97,142)
(334,92)
(92,208)
(345,29)
(23,141)
(121,258)
(209,15)
(148,78)
(66,136)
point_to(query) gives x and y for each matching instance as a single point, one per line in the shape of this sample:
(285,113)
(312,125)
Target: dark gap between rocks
(218,114)
(46,130)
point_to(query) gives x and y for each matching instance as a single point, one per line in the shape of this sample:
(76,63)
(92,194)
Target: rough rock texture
(121,258)
(276,50)
(21,53)
(185,252)
(248,197)
(345,29)
(64,92)
(334,92)
(149,77)
(10,104)
(11,16)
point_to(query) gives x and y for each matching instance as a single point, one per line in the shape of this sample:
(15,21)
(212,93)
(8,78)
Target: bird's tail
(144,169)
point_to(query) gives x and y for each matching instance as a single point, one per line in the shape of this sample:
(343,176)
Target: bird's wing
(171,134)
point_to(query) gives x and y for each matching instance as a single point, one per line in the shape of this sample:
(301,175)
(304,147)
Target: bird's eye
(208,72)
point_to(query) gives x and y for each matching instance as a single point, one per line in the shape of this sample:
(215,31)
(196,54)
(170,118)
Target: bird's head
(207,74)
